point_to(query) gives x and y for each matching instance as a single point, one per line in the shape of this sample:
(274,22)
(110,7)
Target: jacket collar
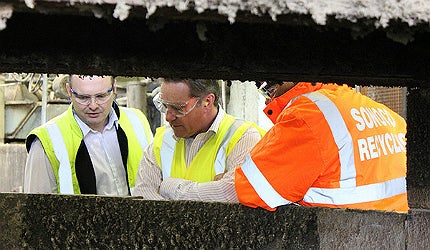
(278,104)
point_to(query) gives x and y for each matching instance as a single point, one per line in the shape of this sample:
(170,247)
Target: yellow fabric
(72,137)
(201,168)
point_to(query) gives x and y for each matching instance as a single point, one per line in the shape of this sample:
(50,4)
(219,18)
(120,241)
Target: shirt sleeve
(38,173)
(149,176)
(222,190)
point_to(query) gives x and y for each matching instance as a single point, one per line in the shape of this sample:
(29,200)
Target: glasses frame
(176,108)
(97,101)
(267,92)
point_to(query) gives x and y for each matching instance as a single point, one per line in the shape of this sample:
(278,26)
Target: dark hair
(82,76)
(200,87)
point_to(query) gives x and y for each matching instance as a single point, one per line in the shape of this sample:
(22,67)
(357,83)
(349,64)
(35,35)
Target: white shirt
(105,154)
(151,185)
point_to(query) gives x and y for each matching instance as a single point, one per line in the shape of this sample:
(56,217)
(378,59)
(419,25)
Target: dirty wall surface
(384,43)
(80,222)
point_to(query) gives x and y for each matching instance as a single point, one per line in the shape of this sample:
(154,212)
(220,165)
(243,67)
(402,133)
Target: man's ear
(69,92)
(208,99)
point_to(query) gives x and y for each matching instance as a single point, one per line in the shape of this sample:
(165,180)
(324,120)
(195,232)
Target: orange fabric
(300,152)
(393,204)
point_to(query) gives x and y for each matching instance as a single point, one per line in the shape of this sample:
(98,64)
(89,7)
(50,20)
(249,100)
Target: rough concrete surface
(12,157)
(352,229)
(79,222)
(362,42)
(418,147)
(82,222)
(418,229)
(411,12)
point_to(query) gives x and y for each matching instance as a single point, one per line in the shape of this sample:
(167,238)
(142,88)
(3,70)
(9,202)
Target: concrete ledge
(13,158)
(78,222)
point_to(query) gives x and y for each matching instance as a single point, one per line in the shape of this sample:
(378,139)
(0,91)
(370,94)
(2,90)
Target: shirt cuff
(170,187)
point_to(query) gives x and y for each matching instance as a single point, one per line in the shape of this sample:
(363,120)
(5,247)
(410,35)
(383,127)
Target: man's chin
(180,133)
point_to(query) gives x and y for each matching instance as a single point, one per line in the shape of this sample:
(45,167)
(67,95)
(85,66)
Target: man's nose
(170,115)
(93,101)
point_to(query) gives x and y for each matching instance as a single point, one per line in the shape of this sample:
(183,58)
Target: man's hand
(219,176)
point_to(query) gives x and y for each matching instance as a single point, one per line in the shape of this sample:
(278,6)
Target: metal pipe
(223,95)
(44,98)
(2,109)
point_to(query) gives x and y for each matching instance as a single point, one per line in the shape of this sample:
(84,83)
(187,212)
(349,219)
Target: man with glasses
(194,156)
(330,146)
(92,148)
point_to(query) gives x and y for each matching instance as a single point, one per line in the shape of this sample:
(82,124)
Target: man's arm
(149,176)
(222,190)
(38,173)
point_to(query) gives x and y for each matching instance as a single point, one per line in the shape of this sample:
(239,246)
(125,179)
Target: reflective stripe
(138,128)
(166,152)
(348,192)
(64,170)
(263,188)
(341,136)
(366,193)
(220,160)
(168,148)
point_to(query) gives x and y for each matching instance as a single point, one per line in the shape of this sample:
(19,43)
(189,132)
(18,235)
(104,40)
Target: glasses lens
(86,99)
(266,91)
(263,91)
(158,103)
(81,99)
(179,110)
(102,98)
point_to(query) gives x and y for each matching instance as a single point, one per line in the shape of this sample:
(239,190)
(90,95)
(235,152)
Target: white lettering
(362,149)
(390,118)
(402,139)
(355,115)
(372,117)
(380,117)
(369,121)
(379,145)
(397,145)
(380,140)
(372,147)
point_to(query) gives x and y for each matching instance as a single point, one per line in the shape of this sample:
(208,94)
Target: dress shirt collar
(215,124)
(113,120)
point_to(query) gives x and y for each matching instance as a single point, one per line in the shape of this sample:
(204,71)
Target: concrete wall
(12,157)
(62,38)
(90,222)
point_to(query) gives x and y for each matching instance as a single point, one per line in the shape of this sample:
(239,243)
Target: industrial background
(372,43)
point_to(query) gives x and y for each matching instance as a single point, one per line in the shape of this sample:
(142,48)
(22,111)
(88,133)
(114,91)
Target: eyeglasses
(267,92)
(99,98)
(179,109)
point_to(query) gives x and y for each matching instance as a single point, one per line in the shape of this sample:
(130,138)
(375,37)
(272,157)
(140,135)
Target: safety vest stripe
(64,171)
(341,136)
(168,148)
(263,188)
(167,151)
(138,128)
(220,160)
(366,193)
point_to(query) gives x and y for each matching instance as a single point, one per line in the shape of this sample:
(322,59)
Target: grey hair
(200,87)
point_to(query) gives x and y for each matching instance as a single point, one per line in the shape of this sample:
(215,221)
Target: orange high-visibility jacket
(330,146)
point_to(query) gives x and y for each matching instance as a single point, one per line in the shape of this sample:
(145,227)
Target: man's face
(183,112)
(92,98)
(278,89)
